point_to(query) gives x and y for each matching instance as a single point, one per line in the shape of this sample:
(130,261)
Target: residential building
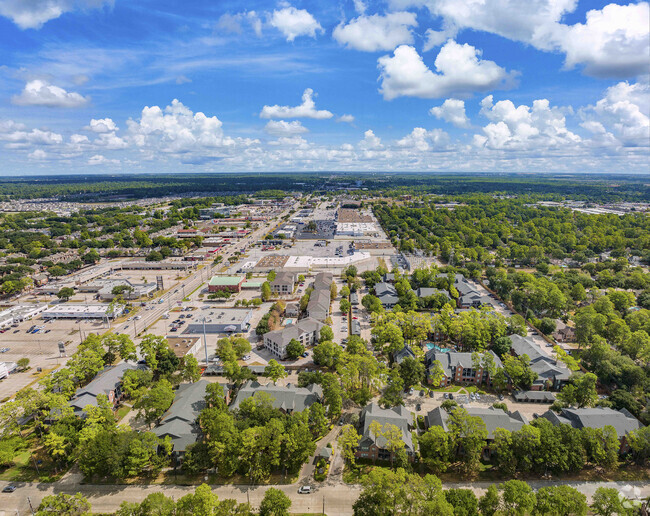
(108,382)
(551,373)
(428,292)
(292,310)
(566,334)
(284,283)
(305,331)
(534,397)
(405,352)
(492,417)
(373,446)
(597,417)
(288,398)
(180,423)
(229,283)
(386,294)
(320,299)
(459,368)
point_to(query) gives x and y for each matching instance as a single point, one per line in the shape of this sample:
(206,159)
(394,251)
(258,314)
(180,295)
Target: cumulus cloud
(32,14)
(522,127)
(17,139)
(422,140)
(348,119)
(41,93)
(294,22)
(376,32)
(370,141)
(232,23)
(624,110)
(103,125)
(452,111)
(283,128)
(612,41)
(305,110)
(459,71)
(98,159)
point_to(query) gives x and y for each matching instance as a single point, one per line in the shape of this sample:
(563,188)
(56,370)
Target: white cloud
(359,6)
(103,125)
(370,141)
(41,93)
(232,23)
(181,79)
(32,14)
(452,111)
(460,72)
(376,32)
(435,38)
(422,140)
(522,127)
(38,155)
(23,138)
(305,110)
(98,159)
(612,42)
(283,128)
(624,109)
(348,119)
(294,22)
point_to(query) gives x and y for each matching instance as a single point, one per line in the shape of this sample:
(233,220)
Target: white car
(304,490)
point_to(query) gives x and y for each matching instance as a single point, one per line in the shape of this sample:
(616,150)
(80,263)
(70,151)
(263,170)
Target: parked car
(304,490)
(9,489)
(451,396)
(501,397)
(418,407)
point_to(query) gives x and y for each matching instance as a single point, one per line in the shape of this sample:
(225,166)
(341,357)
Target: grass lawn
(122,411)
(450,388)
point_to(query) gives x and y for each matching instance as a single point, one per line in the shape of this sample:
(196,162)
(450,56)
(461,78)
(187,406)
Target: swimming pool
(287,322)
(431,345)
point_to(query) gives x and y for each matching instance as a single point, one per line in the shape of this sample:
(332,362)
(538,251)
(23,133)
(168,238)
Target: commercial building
(288,398)
(229,283)
(180,422)
(305,331)
(373,446)
(153,266)
(72,311)
(19,313)
(104,288)
(230,320)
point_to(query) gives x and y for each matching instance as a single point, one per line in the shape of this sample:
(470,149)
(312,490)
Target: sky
(140,86)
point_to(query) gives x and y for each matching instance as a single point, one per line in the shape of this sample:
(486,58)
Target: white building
(19,313)
(72,311)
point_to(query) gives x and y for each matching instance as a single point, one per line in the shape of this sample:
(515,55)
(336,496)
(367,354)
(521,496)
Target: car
(421,393)
(471,396)
(451,396)
(9,489)
(304,490)
(174,329)
(431,394)
(16,331)
(418,407)
(305,354)
(478,397)
(411,390)
(446,396)
(341,421)
(501,397)
(48,331)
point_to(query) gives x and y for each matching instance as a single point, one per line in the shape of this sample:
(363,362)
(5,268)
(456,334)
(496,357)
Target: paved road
(338,498)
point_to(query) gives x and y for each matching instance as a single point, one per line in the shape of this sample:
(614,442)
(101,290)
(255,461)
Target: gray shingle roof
(106,381)
(288,398)
(294,331)
(596,417)
(546,367)
(398,416)
(451,359)
(492,417)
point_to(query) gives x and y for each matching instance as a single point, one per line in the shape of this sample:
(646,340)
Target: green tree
(266,291)
(519,371)
(202,502)
(463,501)
(190,371)
(518,497)
(327,353)
(154,404)
(65,505)
(489,503)
(561,501)
(468,434)
(118,345)
(65,293)
(274,371)
(348,441)
(608,501)
(275,503)
(294,349)
(345,306)
(435,448)
(326,334)
(412,372)
(581,391)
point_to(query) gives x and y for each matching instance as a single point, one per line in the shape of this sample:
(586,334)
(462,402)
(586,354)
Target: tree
(91,256)
(463,501)
(348,441)
(547,325)
(155,403)
(266,291)
(519,371)
(501,346)
(608,501)
(274,371)
(581,391)
(65,293)
(135,382)
(327,353)
(412,372)
(271,275)
(23,363)
(490,501)
(190,371)
(65,505)
(294,349)
(435,448)
(436,373)
(151,348)
(561,500)
(275,503)
(468,433)
(118,345)
(518,497)
(200,503)
(333,290)
(326,333)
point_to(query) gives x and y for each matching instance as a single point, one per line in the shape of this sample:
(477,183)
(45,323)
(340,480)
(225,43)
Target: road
(338,498)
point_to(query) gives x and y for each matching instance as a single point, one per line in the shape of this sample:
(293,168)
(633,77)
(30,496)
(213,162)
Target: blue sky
(107,86)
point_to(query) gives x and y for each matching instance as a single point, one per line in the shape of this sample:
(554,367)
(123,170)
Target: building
(153,266)
(534,397)
(428,292)
(386,294)
(180,423)
(492,417)
(107,382)
(284,283)
(305,331)
(372,446)
(469,296)
(6,368)
(551,373)
(229,283)
(354,298)
(230,320)
(566,334)
(597,417)
(70,311)
(405,352)
(104,288)
(19,313)
(288,398)
(292,310)
(459,368)
(320,298)
(355,328)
